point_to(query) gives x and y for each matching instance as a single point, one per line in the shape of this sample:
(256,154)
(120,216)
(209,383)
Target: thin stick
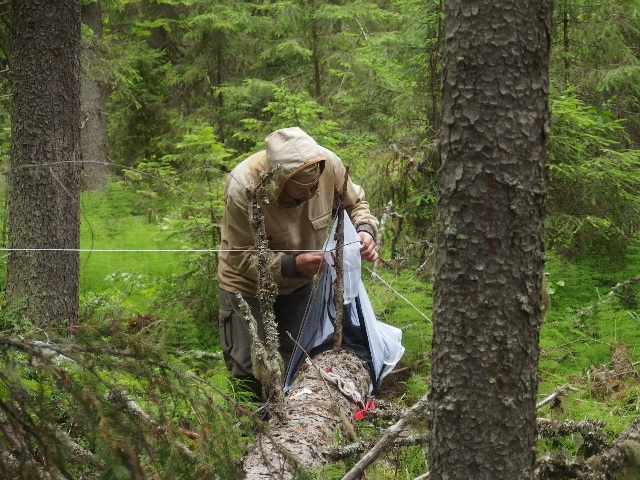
(562,391)
(339,263)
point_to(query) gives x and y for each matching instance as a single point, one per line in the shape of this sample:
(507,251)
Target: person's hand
(310,263)
(367,247)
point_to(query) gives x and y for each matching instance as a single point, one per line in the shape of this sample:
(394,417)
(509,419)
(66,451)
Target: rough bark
(44,180)
(489,241)
(95,172)
(316,414)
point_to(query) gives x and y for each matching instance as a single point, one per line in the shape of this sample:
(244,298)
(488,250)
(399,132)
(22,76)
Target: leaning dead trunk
(316,412)
(93,96)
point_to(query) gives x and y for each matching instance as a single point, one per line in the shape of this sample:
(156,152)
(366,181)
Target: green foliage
(285,109)
(138,120)
(196,215)
(108,402)
(596,53)
(593,199)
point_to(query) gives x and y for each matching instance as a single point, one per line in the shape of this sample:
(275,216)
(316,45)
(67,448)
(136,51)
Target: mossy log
(317,416)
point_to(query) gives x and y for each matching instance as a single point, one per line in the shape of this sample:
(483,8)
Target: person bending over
(296,221)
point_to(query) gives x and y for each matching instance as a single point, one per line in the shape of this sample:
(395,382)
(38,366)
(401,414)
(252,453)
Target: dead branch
(426,268)
(594,438)
(19,459)
(269,369)
(16,468)
(612,293)
(548,428)
(348,451)
(609,378)
(424,476)
(77,453)
(415,414)
(560,392)
(621,459)
(396,238)
(380,234)
(591,431)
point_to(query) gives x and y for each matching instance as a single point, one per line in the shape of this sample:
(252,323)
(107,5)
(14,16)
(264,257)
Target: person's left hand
(367,247)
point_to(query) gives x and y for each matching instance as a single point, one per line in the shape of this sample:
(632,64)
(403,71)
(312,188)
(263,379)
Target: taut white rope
(398,293)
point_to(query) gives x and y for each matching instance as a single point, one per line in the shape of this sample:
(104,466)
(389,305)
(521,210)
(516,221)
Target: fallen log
(317,415)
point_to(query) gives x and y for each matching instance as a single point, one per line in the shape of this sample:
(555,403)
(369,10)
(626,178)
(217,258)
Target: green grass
(583,327)
(405,300)
(111,220)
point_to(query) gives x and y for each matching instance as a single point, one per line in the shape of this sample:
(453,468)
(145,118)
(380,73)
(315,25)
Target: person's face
(299,192)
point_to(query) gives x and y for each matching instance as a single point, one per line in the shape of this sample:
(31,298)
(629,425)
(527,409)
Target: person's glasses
(301,192)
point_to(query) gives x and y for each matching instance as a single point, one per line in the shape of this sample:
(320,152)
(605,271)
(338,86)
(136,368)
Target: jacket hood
(292,150)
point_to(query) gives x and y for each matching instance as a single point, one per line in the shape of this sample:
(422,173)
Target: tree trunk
(316,412)
(44,194)
(95,172)
(489,240)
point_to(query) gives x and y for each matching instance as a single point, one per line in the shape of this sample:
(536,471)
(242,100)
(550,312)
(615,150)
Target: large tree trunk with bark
(93,94)
(44,193)
(489,240)
(315,413)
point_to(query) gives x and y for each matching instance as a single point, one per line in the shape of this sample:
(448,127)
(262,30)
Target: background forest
(176,92)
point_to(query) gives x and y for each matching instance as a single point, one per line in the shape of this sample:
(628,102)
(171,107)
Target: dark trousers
(235,339)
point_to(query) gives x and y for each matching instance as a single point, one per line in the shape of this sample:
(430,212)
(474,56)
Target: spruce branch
(120,398)
(54,437)
(348,451)
(620,459)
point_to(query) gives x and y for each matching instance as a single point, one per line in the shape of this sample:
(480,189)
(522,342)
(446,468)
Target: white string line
(398,293)
(125,250)
(146,250)
(203,250)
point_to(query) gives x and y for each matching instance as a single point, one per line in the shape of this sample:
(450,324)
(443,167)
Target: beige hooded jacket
(291,228)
